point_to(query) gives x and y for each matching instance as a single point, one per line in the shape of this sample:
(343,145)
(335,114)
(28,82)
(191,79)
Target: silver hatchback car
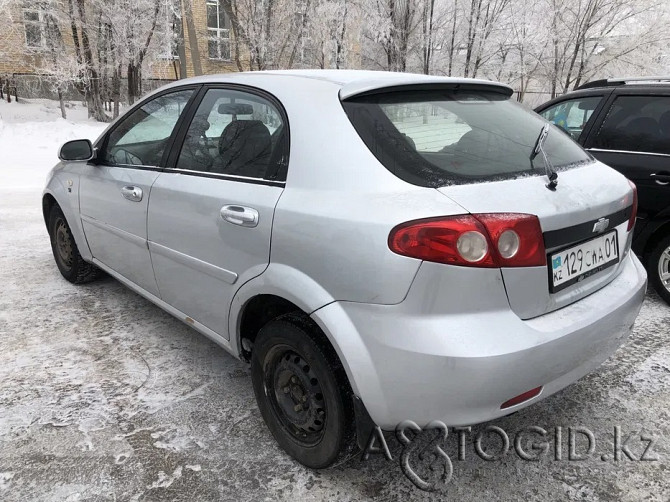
(380,247)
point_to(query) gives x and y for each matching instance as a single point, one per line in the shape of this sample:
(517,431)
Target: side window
(636,124)
(236,133)
(572,115)
(141,137)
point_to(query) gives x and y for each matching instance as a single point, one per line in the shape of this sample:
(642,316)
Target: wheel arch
(277,283)
(262,308)
(56,195)
(660,231)
(281,288)
(256,313)
(48,201)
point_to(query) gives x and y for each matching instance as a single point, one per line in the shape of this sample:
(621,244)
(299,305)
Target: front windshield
(438,138)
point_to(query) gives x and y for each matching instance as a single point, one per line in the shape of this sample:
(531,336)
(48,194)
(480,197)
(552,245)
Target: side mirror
(78,149)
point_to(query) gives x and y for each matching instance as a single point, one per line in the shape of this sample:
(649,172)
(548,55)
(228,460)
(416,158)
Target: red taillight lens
(437,239)
(633,214)
(479,240)
(529,250)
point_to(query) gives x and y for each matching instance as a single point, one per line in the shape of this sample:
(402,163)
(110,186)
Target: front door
(210,214)
(114,193)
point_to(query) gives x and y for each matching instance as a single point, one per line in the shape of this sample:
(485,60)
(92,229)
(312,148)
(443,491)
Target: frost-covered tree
(325,41)
(535,45)
(94,44)
(57,68)
(126,31)
(588,35)
(266,32)
(548,46)
(391,31)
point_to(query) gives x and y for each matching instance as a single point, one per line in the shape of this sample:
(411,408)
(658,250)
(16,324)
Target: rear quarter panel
(333,220)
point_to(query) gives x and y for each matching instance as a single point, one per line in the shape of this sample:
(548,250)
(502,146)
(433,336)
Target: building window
(218,31)
(35,25)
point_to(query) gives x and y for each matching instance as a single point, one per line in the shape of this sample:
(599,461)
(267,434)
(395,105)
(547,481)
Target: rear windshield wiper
(549,168)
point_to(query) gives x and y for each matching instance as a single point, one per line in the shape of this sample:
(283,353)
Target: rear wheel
(302,391)
(70,263)
(659,268)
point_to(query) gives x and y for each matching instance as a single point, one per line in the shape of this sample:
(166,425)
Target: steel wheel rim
(295,395)
(63,243)
(664,268)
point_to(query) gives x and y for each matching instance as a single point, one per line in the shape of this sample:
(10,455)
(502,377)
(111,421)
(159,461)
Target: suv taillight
(633,214)
(480,240)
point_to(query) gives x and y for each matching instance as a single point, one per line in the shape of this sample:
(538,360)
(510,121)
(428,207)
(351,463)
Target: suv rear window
(445,137)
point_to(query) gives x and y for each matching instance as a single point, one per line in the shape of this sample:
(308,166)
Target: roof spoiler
(382,86)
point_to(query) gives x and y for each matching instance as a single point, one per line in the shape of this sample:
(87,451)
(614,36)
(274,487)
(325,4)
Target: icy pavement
(103,396)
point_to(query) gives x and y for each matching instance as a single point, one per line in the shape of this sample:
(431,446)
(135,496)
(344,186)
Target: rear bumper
(453,361)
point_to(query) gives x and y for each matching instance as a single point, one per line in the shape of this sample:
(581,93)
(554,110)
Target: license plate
(576,263)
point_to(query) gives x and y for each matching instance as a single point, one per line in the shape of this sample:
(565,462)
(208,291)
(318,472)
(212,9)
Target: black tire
(659,263)
(70,263)
(303,392)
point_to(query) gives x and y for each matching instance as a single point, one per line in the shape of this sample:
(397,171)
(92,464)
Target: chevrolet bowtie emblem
(601,225)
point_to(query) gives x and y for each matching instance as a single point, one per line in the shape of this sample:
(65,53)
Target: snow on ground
(31,133)
(103,396)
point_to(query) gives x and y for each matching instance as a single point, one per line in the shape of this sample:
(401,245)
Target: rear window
(438,138)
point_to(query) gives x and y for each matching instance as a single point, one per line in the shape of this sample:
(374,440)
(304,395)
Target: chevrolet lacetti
(380,247)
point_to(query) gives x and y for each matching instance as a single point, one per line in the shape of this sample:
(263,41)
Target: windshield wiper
(552,175)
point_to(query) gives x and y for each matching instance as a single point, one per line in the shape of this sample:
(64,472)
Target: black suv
(625,123)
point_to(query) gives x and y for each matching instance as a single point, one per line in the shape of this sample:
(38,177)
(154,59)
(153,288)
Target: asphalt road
(103,396)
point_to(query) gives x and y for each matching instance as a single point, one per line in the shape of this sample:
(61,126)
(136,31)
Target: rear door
(114,193)
(634,138)
(210,214)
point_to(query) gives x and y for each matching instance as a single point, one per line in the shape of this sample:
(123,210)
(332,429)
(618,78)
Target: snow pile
(31,132)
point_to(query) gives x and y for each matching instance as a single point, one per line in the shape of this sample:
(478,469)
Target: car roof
(647,86)
(350,82)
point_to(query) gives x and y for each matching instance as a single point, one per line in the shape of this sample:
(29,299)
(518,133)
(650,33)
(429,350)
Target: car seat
(244,149)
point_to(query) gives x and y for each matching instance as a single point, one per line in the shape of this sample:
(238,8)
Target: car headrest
(199,125)
(245,147)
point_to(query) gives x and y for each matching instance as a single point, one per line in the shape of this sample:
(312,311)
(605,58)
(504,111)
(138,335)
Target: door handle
(661,178)
(132,193)
(240,215)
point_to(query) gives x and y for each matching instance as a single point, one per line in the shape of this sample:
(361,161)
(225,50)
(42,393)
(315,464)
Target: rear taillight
(455,240)
(633,214)
(479,240)
(518,238)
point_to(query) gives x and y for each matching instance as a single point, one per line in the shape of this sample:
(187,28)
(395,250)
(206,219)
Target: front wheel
(302,391)
(70,263)
(659,268)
